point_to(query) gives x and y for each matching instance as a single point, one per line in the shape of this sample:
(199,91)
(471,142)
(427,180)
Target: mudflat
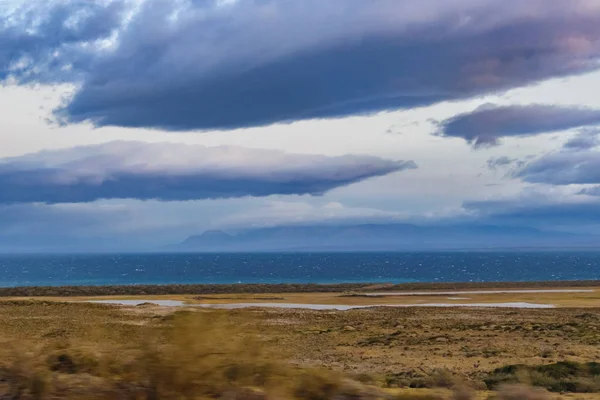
(563,295)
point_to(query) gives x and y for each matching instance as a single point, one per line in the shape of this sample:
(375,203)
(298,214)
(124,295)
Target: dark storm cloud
(487,124)
(181,65)
(167,172)
(564,168)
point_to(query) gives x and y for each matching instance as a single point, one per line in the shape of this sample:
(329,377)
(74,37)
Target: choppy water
(110,269)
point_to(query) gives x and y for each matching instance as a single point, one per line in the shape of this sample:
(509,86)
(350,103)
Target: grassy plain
(56,347)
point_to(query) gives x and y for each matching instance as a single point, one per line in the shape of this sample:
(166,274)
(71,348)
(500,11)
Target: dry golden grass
(408,342)
(90,351)
(83,351)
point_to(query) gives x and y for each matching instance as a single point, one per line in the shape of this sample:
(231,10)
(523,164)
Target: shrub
(563,376)
(520,392)
(315,386)
(463,392)
(439,378)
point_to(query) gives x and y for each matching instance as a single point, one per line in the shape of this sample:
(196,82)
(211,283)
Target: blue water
(110,269)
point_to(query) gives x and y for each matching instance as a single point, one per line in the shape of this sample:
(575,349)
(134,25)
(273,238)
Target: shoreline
(243,288)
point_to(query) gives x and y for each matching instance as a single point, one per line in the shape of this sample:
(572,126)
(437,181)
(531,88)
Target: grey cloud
(564,168)
(168,171)
(495,163)
(590,191)
(586,139)
(182,65)
(288,213)
(537,212)
(487,124)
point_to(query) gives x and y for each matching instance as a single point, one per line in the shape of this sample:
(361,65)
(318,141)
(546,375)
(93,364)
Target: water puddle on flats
(341,307)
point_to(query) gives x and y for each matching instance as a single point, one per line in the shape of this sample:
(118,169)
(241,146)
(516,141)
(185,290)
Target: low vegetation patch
(558,377)
(187,356)
(352,289)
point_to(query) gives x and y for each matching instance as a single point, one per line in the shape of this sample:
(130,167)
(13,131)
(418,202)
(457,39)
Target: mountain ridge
(382,237)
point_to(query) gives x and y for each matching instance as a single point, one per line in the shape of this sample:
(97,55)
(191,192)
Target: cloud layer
(586,139)
(487,124)
(540,212)
(564,168)
(24,225)
(497,163)
(168,171)
(286,213)
(591,191)
(211,64)
(55,40)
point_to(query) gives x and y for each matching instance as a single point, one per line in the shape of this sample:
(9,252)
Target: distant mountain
(208,238)
(381,237)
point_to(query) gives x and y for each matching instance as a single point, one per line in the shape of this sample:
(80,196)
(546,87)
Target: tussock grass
(189,355)
(557,377)
(520,392)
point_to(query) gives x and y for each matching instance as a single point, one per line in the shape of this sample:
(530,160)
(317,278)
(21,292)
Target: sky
(132,124)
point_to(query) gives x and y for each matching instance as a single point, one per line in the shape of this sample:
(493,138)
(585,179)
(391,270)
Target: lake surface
(112,269)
